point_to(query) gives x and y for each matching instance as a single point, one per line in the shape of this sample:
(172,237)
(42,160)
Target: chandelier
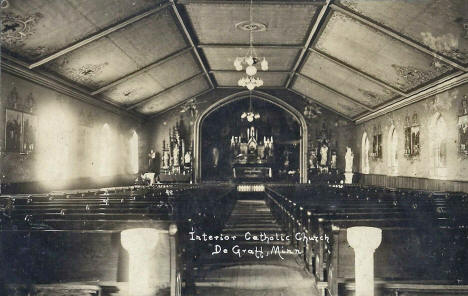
(250,61)
(250,115)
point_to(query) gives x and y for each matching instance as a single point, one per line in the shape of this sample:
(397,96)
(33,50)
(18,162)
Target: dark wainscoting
(412,183)
(77,183)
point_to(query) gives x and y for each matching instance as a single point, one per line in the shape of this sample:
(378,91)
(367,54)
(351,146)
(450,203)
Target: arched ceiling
(355,57)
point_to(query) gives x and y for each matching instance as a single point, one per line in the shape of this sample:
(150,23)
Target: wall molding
(432,91)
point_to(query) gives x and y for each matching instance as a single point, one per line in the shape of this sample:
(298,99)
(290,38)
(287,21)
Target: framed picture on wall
(13,130)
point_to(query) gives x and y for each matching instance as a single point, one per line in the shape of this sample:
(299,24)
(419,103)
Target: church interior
(301,147)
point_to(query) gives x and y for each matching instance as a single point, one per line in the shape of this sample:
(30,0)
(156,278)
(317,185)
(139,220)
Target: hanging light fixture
(250,61)
(250,115)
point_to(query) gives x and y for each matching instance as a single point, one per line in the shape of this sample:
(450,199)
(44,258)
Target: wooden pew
(67,228)
(329,262)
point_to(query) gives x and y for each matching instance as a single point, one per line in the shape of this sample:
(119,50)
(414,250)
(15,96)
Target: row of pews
(70,242)
(424,236)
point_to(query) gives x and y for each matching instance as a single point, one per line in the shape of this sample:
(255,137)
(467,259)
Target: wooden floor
(229,275)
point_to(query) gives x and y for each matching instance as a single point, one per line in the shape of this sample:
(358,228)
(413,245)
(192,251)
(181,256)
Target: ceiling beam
(399,37)
(192,44)
(243,2)
(259,71)
(243,87)
(180,104)
(313,81)
(165,91)
(309,99)
(143,70)
(21,70)
(257,46)
(358,72)
(99,35)
(315,28)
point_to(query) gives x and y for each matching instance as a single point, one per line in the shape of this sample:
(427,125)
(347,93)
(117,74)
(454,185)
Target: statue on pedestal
(151,158)
(349,157)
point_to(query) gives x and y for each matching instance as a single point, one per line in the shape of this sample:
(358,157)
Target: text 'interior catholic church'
(234,147)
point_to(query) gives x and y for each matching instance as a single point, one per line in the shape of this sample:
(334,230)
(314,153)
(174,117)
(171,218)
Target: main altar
(252,156)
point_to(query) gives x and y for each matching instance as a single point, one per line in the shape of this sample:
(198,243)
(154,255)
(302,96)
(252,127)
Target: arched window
(392,151)
(133,152)
(106,143)
(365,154)
(439,146)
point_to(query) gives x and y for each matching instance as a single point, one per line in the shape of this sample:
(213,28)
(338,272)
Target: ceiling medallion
(251,26)
(250,61)
(15,28)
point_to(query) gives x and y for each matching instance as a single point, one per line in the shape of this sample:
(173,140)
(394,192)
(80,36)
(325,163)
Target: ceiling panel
(38,28)
(379,55)
(345,81)
(276,79)
(223,58)
(326,97)
(155,80)
(133,90)
(434,23)
(286,24)
(94,65)
(175,70)
(150,39)
(174,96)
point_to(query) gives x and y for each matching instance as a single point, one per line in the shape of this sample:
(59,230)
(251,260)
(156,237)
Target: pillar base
(348,177)
(144,262)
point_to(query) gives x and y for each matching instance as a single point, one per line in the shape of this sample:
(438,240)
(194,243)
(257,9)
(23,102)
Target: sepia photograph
(234,147)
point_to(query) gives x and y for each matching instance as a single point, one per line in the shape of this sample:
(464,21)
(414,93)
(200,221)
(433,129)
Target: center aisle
(262,272)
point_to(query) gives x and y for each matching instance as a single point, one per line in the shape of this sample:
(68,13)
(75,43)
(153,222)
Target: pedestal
(364,241)
(348,177)
(141,244)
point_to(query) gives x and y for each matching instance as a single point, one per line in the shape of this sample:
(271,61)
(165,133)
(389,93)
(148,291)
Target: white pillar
(364,241)
(141,244)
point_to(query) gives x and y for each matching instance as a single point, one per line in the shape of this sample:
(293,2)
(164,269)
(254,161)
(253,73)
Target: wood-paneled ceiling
(355,57)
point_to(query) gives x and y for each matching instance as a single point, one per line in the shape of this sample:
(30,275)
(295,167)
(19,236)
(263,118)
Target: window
(365,154)
(392,151)
(412,145)
(133,153)
(106,145)
(439,146)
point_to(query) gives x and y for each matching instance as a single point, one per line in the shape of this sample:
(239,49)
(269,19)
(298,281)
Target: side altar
(176,163)
(251,157)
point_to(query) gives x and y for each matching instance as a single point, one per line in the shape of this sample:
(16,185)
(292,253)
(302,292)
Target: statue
(187,159)
(215,154)
(333,160)
(323,155)
(349,157)
(349,160)
(312,160)
(151,157)
(165,160)
(176,154)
